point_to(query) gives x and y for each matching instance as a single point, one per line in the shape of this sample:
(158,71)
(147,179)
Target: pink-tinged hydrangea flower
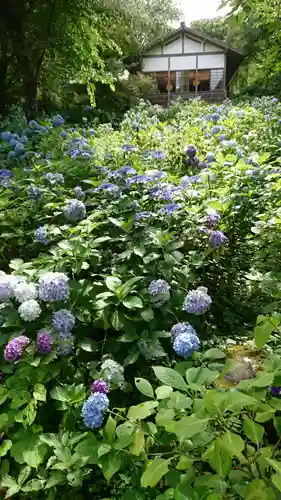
(44,341)
(100,386)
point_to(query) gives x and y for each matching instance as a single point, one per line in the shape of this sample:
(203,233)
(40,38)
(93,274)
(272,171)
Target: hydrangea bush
(124,254)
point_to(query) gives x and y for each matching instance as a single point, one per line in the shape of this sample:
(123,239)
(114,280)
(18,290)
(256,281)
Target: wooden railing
(209,96)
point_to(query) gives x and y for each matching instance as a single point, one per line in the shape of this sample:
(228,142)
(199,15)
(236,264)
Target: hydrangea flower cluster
(218,239)
(100,386)
(44,341)
(63,321)
(29,310)
(79,193)
(191,151)
(41,235)
(93,410)
(54,179)
(212,220)
(169,208)
(24,291)
(112,372)
(15,348)
(182,328)
(159,291)
(58,121)
(53,287)
(75,210)
(6,288)
(35,193)
(197,301)
(185,344)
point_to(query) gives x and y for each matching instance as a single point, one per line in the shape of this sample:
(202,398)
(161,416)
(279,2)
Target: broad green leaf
(257,490)
(165,417)
(89,345)
(117,321)
(262,333)
(109,429)
(141,411)
(103,449)
(127,287)
(39,392)
(164,392)
(110,465)
(24,474)
(179,401)
(132,302)
(262,379)
(154,472)
(144,387)
(5,447)
(253,431)
(277,424)
(132,357)
(219,459)
(147,315)
(33,485)
(168,376)
(59,393)
(112,283)
(276,479)
(200,376)
(275,464)
(233,444)
(9,483)
(137,445)
(88,449)
(184,463)
(214,353)
(56,477)
(188,427)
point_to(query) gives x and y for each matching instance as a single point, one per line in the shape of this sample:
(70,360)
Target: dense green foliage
(148,209)
(46,44)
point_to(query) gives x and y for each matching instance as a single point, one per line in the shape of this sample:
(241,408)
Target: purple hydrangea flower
(275,391)
(100,386)
(212,219)
(218,239)
(75,210)
(53,287)
(14,349)
(191,151)
(22,340)
(185,344)
(182,328)
(159,155)
(197,302)
(63,321)
(41,235)
(44,341)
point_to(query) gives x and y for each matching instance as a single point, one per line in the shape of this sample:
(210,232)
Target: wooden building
(189,64)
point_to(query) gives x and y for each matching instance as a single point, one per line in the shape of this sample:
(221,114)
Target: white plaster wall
(174,47)
(190,46)
(154,64)
(211,61)
(212,48)
(181,63)
(156,51)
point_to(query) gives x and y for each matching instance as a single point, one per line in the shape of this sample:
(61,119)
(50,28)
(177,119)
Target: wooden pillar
(169,81)
(196,86)
(224,76)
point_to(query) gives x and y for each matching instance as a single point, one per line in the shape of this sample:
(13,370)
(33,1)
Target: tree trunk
(30,90)
(3,84)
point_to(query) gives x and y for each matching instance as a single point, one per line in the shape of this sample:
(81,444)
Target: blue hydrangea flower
(41,235)
(63,321)
(64,134)
(215,117)
(75,210)
(159,155)
(127,170)
(185,344)
(216,130)
(197,302)
(11,155)
(210,157)
(159,291)
(79,193)
(218,239)
(6,136)
(92,416)
(53,287)
(170,208)
(100,400)
(34,193)
(58,121)
(19,148)
(182,328)
(143,215)
(212,219)
(138,179)
(128,147)
(65,344)
(107,186)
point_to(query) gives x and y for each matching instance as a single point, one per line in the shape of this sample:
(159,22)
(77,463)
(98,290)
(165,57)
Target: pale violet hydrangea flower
(79,193)
(197,301)
(185,344)
(41,235)
(29,310)
(75,210)
(53,287)
(15,348)
(218,239)
(6,288)
(63,321)
(159,291)
(25,291)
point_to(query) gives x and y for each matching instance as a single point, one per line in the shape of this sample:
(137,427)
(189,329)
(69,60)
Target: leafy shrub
(127,257)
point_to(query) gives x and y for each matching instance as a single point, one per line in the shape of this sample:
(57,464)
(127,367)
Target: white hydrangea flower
(29,310)
(25,291)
